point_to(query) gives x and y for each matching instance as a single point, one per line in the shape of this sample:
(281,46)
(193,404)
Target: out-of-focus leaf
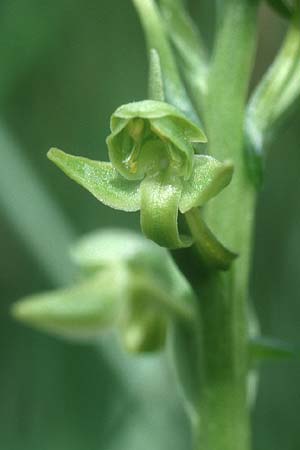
(184,348)
(28,31)
(282,7)
(37,219)
(264,348)
(273,100)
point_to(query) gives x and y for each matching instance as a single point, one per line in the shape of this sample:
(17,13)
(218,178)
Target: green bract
(153,169)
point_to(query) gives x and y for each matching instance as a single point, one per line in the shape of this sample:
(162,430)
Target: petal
(147,109)
(208,178)
(100,179)
(169,129)
(160,195)
(119,149)
(117,124)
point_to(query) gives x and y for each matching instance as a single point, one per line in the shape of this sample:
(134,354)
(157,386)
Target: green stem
(224,416)
(223,411)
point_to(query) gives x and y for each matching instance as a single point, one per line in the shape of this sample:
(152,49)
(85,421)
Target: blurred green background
(65,66)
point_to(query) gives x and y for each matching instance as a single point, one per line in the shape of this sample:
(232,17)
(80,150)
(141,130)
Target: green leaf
(156,37)
(265,348)
(255,155)
(42,212)
(273,100)
(160,196)
(100,179)
(184,349)
(80,312)
(282,7)
(209,177)
(189,47)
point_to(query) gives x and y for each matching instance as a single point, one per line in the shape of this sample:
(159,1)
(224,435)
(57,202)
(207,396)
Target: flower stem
(223,411)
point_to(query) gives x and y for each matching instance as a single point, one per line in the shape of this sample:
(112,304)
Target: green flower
(149,137)
(128,288)
(153,169)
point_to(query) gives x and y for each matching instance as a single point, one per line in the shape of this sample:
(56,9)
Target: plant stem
(224,416)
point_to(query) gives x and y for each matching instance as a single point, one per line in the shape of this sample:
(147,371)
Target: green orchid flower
(152,136)
(128,288)
(153,168)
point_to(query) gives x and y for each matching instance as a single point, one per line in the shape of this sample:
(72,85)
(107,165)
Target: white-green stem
(222,296)
(223,410)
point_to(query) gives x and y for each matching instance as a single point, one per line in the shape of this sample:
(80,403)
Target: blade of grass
(33,214)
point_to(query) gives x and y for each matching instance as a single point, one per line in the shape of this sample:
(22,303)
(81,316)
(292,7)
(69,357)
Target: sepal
(209,177)
(101,179)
